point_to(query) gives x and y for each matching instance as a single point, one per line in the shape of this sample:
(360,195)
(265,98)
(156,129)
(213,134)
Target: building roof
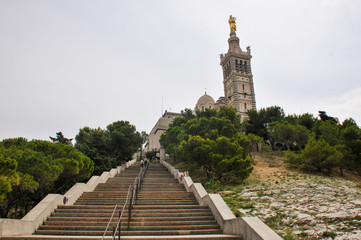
(205,101)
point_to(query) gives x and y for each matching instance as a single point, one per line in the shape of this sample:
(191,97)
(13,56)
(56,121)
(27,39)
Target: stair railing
(135,191)
(110,220)
(130,207)
(136,187)
(117,228)
(133,195)
(141,176)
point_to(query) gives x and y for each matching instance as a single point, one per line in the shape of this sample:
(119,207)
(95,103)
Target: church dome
(204,102)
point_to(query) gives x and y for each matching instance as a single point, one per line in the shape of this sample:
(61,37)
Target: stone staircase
(164,210)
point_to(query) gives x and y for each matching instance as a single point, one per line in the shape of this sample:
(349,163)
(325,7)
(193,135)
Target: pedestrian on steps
(145,162)
(141,164)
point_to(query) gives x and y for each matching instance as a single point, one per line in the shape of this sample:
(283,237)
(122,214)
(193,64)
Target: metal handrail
(121,215)
(135,190)
(110,220)
(141,176)
(133,197)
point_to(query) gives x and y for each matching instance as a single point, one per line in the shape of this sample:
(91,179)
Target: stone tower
(237,75)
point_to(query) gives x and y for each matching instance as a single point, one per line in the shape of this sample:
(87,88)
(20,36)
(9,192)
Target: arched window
(202,108)
(245,67)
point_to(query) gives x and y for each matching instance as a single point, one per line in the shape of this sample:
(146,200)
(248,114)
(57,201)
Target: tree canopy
(32,169)
(210,139)
(111,146)
(317,143)
(60,138)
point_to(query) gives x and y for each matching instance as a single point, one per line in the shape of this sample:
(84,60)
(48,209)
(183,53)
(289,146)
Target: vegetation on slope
(29,170)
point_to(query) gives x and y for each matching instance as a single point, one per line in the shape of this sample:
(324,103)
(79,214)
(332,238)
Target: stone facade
(204,102)
(237,80)
(160,127)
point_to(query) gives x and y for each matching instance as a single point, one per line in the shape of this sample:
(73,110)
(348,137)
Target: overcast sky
(68,64)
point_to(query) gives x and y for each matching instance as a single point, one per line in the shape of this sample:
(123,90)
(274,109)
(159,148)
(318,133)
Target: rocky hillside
(298,205)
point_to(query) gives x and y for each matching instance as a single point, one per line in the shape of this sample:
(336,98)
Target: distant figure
(232,23)
(145,162)
(141,164)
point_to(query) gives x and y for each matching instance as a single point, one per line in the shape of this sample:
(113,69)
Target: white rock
(276,205)
(357,202)
(303,218)
(336,215)
(250,194)
(323,209)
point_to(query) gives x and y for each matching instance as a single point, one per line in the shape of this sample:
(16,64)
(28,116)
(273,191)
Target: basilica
(237,78)
(237,84)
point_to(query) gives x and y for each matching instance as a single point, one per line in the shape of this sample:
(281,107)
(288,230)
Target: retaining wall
(31,221)
(250,228)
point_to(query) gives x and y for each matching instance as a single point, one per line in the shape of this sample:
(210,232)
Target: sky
(65,65)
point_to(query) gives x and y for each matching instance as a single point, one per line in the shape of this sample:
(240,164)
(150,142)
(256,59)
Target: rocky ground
(299,206)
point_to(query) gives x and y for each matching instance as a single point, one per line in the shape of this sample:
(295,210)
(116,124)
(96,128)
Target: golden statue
(232,23)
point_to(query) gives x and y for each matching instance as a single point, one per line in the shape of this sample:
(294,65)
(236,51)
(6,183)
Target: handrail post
(120,224)
(137,190)
(130,208)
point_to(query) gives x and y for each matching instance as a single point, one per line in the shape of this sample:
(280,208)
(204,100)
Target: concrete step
(129,232)
(134,210)
(134,214)
(133,223)
(152,237)
(134,219)
(154,207)
(124,227)
(164,210)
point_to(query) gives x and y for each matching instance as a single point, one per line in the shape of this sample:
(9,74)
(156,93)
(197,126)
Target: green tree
(43,167)
(318,155)
(289,134)
(111,146)
(221,160)
(211,140)
(94,144)
(61,139)
(329,131)
(351,136)
(259,121)
(124,141)
(8,175)
(256,142)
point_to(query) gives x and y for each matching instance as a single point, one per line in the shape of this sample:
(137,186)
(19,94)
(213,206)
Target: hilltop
(299,205)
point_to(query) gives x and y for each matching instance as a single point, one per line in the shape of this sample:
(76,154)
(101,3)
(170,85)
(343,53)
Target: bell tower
(237,75)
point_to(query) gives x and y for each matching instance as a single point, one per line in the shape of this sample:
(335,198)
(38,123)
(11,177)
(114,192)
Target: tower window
(202,108)
(245,106)
(227,70)
(245,67)
(238,65)
(243,86)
